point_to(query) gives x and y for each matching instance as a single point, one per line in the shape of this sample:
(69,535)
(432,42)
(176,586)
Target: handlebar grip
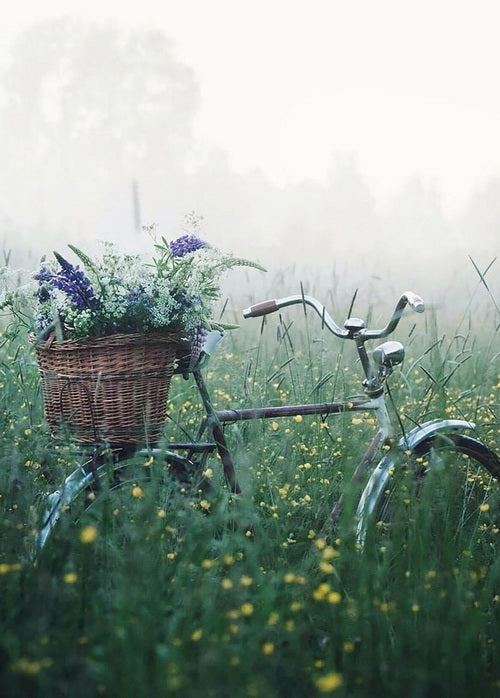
(415,302)
(263,308)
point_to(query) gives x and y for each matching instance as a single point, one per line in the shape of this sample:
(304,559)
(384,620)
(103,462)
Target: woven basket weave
(111,389)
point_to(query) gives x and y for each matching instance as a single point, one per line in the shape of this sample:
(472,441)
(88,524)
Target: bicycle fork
(382,437)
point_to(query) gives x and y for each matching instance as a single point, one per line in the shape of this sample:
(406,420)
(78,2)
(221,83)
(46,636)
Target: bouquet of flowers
(118,293)
(107,332)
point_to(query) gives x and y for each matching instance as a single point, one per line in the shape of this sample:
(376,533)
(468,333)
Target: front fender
(379,478)
(422,432)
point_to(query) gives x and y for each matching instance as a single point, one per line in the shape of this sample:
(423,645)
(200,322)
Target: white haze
(353,141)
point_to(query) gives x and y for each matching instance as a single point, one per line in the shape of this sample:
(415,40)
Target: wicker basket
(109,389)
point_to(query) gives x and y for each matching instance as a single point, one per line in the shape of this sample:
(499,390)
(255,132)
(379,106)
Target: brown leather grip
(263,308)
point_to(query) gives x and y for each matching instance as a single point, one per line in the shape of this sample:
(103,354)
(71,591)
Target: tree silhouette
(89,108)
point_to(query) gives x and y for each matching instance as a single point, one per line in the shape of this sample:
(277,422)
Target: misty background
(97,128)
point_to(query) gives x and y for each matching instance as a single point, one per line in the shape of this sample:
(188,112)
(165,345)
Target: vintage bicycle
(434,445)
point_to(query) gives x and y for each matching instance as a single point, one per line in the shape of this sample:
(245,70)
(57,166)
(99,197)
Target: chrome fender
(422,432)
(377,482)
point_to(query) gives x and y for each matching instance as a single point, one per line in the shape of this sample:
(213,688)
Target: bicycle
(432,445)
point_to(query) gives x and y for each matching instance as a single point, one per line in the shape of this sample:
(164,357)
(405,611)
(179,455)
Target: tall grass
(158,592)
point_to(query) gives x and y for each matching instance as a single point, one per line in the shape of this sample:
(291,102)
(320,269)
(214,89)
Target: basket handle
(86,391)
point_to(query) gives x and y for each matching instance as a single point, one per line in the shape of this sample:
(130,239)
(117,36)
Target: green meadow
(156,589)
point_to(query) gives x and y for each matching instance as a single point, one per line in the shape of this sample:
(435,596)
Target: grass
(155,593)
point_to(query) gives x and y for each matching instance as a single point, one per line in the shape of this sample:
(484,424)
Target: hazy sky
(409,88)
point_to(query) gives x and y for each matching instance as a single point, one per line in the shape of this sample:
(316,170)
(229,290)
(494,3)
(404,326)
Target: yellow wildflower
(329,553)
(320,593)
(246,609)
(88,534)
(326,567)
(273,618)
(329,682)
(334,597)
(5,567)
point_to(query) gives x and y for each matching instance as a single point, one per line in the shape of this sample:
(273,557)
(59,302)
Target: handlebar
(354,328)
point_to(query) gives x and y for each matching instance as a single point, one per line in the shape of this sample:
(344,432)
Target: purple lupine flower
(138,299)
(197,338)
(43,275)
(137,294)
(186,244)
(71,280)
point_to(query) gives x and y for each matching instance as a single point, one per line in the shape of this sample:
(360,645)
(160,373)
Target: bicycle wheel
(440,500)
(112,486)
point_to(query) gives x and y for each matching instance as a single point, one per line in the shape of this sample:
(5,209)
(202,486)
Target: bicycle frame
(215,419)
(354,329)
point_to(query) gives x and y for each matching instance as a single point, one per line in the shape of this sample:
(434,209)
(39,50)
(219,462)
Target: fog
(97,139)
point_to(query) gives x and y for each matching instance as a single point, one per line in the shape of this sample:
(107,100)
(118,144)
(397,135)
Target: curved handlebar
(266,307)
(408,298)
(361,332)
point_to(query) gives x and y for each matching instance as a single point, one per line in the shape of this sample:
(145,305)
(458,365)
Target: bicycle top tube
(354,328)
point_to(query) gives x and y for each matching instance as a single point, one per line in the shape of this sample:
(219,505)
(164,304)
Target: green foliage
(157,592)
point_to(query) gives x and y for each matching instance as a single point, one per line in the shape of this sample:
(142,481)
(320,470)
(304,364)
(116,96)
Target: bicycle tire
(447,488)
(85,490)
